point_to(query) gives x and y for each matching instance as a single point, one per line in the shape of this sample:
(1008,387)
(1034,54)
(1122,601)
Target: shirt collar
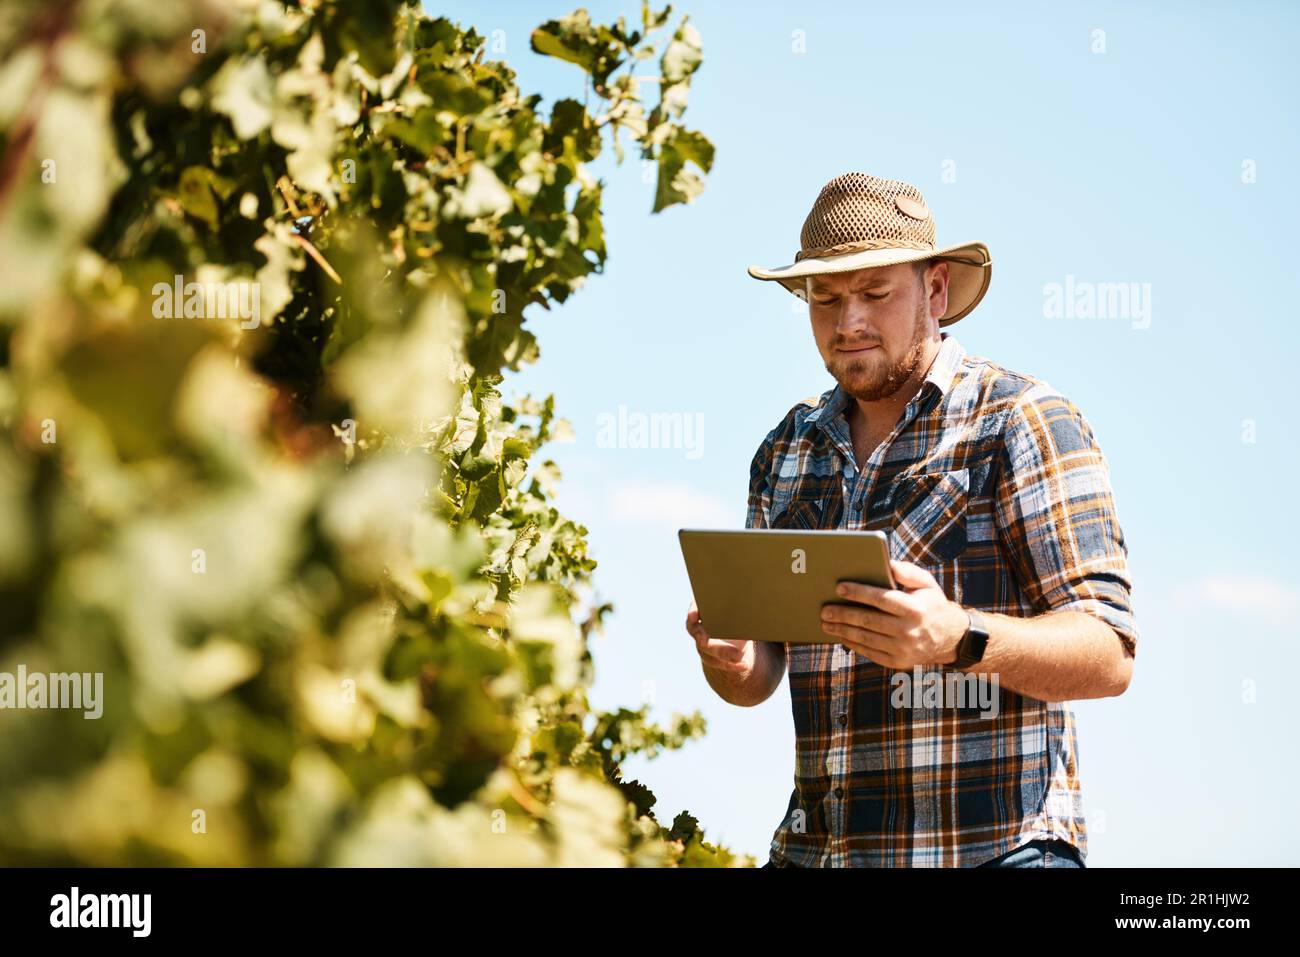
(941,375)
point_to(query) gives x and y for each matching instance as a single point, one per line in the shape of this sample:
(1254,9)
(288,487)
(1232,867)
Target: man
(1005,546)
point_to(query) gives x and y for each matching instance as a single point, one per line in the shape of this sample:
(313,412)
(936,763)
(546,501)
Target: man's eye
(876,296)
(827,302)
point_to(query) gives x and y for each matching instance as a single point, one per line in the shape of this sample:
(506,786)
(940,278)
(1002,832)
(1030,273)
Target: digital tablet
(770,584)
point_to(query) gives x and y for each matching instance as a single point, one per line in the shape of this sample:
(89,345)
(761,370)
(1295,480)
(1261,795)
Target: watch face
(973,642)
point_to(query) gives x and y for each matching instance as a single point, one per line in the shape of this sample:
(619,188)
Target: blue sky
(1123,166)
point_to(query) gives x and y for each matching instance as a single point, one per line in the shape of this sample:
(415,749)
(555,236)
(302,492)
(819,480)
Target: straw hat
(861,221)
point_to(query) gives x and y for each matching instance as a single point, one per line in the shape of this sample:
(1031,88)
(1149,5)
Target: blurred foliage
(314,554)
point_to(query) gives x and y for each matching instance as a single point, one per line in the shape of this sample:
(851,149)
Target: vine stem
(525,799)
(315,254)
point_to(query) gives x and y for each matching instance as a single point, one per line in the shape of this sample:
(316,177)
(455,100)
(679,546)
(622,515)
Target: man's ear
(937,288)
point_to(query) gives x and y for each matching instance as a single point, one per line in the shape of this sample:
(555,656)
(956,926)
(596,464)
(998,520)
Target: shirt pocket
(929,515)
(799,514)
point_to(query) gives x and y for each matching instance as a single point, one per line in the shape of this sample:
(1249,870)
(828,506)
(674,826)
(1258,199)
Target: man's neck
(870,422)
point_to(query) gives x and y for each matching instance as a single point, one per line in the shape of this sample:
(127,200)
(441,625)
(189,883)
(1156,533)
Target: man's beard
(853,375)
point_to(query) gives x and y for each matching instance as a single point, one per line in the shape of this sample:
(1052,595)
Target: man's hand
(915,624)
(733,656)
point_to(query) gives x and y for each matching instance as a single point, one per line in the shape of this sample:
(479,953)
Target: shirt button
(839,792)
(844,719)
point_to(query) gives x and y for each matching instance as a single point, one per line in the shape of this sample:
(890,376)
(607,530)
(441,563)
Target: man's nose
(855,320)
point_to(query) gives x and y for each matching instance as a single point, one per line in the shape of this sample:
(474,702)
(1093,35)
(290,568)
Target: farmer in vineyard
(934,728)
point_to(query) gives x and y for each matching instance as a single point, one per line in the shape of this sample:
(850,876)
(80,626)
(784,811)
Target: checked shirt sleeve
(1056,514)
(759,513)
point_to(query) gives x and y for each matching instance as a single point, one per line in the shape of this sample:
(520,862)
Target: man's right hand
(733,656)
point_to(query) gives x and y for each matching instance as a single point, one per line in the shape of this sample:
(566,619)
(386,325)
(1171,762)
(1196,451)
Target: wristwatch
(971,647)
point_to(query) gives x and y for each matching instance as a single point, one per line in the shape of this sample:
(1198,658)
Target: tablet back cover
(770,584)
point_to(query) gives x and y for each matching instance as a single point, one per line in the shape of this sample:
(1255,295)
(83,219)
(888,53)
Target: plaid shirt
(994,483)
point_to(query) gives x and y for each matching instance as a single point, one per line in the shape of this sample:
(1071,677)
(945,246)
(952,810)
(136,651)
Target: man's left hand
(914,624)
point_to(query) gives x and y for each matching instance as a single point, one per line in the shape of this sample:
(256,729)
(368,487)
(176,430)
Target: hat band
(859,246)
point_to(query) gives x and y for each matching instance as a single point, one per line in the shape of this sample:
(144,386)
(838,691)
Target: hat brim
(970,268)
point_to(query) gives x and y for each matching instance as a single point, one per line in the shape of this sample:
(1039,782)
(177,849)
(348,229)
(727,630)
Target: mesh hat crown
(857,211)
(859,221)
